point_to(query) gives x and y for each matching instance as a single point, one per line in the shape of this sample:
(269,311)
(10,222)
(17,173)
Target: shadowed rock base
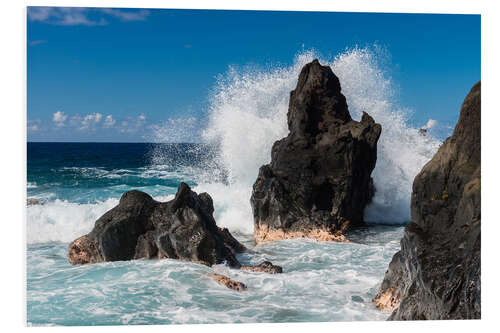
(229,283)
(262,233)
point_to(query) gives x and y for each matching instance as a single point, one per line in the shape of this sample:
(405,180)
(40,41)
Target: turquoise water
(79,182)
(320,282)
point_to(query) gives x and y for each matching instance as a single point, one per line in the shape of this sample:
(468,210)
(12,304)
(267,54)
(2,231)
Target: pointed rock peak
(317,102)
(184,196)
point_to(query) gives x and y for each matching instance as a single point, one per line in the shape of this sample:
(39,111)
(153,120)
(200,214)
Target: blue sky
(113,74)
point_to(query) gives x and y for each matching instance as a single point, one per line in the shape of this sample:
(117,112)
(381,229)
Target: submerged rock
(437,273)
(266,267)
(31,201)
(319,179)
(141,227)
(229,283)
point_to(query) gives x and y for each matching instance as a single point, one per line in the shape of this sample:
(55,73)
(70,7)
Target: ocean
(78,182)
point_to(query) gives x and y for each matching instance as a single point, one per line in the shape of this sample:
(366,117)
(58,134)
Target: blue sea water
(77,182)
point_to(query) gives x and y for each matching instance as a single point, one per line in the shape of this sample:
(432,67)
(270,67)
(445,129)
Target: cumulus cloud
(90,120)
(33,125)
(83,16)
(109,121)
(132,125)
(430,123)
(59,118)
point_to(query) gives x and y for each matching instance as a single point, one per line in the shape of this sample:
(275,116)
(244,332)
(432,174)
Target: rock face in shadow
(140,227)
(437,273)
(319,179)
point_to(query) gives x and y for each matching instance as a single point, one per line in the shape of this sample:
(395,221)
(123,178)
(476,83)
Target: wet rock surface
(140,227)
(319,179)
(228,282)
(266,267)
(437,273)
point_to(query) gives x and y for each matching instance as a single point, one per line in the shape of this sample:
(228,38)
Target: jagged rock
(319,179)
(227,282)
(266,267)
(437,272)
(140,227)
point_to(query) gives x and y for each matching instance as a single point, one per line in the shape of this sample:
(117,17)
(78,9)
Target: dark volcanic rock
(140,227)
(319,179)
(437,273)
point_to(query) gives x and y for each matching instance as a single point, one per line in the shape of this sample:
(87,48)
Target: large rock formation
(318,182)
(437,273)
(140,227)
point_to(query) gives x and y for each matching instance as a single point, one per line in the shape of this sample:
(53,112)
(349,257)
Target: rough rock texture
(266,267)
(140,227)
(318,182)
(229,283)
(437,273)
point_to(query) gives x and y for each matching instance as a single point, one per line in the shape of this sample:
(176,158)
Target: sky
(117,75)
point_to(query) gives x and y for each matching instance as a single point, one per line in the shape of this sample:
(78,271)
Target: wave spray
(247,114)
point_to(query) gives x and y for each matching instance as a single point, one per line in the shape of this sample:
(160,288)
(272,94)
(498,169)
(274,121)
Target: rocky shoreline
(183,229)
(437,273)
(317,186)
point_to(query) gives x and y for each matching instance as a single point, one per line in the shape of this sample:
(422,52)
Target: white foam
(63,221)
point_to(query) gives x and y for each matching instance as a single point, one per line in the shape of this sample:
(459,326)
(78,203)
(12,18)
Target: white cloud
(430,123)
(127,15)
(109,121)
(132,125)
(90,120)
(64,16)
(33,125)
(59,118)
(83,16)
